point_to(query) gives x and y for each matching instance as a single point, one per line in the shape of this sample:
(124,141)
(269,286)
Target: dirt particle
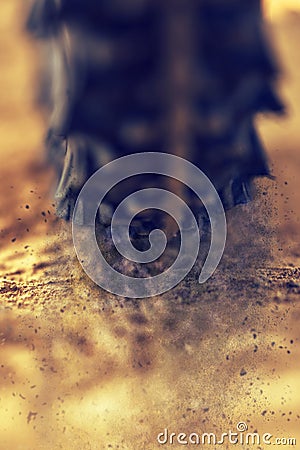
(291,285)
(138,319)
(31,416)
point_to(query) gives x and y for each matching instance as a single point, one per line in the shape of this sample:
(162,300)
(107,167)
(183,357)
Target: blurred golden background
(80,369)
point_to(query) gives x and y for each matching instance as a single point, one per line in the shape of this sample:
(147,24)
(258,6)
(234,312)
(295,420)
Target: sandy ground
(82,369)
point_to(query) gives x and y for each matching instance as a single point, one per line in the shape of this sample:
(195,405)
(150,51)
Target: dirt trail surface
(82,369)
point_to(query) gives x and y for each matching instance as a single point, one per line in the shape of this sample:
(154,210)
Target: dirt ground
(83,369)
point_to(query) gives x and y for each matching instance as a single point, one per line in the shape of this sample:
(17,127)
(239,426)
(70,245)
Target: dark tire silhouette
(178,76)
